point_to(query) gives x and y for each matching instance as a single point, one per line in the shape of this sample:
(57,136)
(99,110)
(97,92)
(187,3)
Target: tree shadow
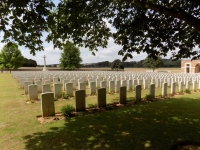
(157,125)
(186,145)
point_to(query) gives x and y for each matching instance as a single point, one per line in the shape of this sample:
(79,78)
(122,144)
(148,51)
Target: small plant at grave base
(58,79)
(64,95)
(188,91)
(172,94)
(32,101)
(111,93)
(149,97)
(55,99)
(67,110)
(108,107)
(93,94)
(92,105)
(181,93)
(160,95)
(195,90)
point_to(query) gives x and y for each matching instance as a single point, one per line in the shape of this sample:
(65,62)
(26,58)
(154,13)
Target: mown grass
(157,125)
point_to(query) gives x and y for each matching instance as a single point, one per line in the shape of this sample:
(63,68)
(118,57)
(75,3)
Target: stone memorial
(33,92)
(122,95)
(138,89)
(80,100)
(101,97)
(46,88)
(47,104)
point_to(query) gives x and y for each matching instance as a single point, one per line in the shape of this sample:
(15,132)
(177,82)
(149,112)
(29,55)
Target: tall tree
(152,26)
(11,57)
(117,64)
(29,63)
(70,57)
(153,63)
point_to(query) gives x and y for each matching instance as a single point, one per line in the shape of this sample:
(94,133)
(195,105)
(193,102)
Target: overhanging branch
(180,14)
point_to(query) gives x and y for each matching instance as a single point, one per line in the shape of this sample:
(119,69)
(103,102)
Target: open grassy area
(154,126)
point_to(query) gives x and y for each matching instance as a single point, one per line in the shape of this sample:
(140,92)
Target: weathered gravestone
(157,83)
(47,104)
(187,85)
(101,97)
(123,83)
(122,95)
(32,92)
(199,85)
(46,88)
(82,86)
(92,88)
(152,90)
(117,86)
(64,84)
(47,82)
(80,100)
(145,83)
(21,81)
(135,82)
(57,90)
(69,89)
(130,84)
(138,89)
(26,84)
(180,86)
(164,89)
(194,84)
(111,86)
(73,83)
(173,87)
(55,80)
(103,84)
(39,86)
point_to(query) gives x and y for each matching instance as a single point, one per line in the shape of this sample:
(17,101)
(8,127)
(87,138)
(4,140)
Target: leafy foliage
(152,26)
(152,63)
(187,91)
(25,21)
(67,110)
(29,63)
(117,64)
(11,57)
(148,97)
(70,57)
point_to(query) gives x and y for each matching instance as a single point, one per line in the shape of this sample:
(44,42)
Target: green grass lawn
(158,125)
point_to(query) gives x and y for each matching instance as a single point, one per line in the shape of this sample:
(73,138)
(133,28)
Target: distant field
(173,70)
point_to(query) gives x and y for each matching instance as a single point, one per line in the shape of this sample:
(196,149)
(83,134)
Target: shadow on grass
(158,125)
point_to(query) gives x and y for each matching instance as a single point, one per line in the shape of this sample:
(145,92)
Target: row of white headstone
(120,82)
(33,89)
(47,99)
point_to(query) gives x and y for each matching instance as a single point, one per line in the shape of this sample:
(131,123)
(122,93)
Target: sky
(53,55)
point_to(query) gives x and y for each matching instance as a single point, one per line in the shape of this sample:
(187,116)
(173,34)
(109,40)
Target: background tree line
(11,57)
(133,64)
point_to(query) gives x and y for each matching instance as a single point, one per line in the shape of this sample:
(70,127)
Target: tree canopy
(70,57)
(29,63)
(117,64)
(152,26)
(11,57)
(152,63)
